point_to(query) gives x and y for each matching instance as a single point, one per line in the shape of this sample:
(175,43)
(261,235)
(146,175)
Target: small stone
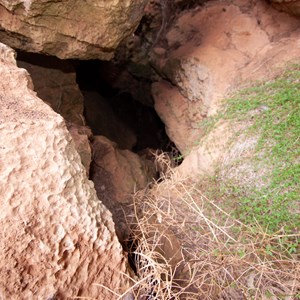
(159,51)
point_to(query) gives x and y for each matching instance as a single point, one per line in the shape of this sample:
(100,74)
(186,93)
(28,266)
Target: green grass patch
(272,110)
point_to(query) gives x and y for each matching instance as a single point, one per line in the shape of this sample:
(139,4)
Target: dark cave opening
(120,107)
(114,108)
(117,105)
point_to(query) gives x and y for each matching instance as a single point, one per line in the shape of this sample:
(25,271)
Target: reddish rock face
(57,238)
(214,50)
(118,173)
(290,6)
(55,83)
(69,29)
(179,115)
(81,136)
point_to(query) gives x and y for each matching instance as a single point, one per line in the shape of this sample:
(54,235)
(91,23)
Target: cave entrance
(120,106)
(114,104)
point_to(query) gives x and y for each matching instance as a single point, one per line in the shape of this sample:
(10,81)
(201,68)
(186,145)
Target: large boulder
(179,115)
(213,51)
(69,29)
(81,136)
(57,238)
(54,82)
(117,173)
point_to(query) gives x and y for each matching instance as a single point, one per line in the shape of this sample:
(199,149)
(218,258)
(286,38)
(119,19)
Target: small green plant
(269,250)
(292,248)
(235,238)
(272,110)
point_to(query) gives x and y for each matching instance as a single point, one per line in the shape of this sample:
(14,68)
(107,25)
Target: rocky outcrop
(289,6)
(69,29)
(212,51)
(81,136)
(57,239)
(118,173)
(210,153)
(55,82)
(179,115)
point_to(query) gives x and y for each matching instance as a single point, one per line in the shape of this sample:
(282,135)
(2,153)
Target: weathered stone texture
(180,115)
(213,51)
(55,83)
(81,136)
(57,239)
(69,29)
(118,173)
(290,6)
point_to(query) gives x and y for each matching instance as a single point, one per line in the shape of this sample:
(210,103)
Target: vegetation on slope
(234,235)
(272,113)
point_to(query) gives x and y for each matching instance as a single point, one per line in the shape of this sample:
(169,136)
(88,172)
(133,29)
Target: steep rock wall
(55,83)
(58,240)
(69,29)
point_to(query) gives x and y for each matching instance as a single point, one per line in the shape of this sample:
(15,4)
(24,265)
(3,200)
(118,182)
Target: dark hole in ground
(119,102)
(112,98)
(115,107)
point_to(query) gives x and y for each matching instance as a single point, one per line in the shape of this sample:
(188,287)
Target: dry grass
(187,247)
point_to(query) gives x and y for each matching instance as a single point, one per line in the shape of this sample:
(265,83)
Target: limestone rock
(81,136)
(55,82)
(118,173)
(179,115)
(69,29)
(190,76)
(206,157)
(57,239)
(213,51)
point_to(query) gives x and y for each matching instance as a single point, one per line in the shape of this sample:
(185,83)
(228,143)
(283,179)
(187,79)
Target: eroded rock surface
(179,115)
(55,82)
(81,136)
(118,173)
(289,6)
(57,238)
(69,29)
(212,51)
